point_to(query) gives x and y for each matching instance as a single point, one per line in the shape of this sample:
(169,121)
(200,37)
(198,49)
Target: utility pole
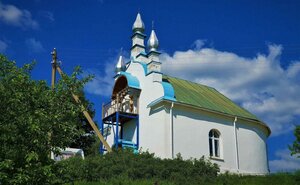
(76,98)
(54,65)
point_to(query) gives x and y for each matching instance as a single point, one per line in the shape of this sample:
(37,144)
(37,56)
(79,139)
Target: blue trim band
(132,81)
(169,92)
(161,99)
(142,53)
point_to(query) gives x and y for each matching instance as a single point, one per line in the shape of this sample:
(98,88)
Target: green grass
(273,179)
(225,179)
(124,182)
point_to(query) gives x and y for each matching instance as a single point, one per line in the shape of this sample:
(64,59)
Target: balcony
(126,105)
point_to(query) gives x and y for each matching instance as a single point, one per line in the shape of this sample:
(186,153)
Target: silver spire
(120,65)
(138,25)
(153,41)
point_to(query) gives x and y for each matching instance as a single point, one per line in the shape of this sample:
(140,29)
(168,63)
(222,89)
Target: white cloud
(12,15)
(259,84)
(3,46)
(34,45)
(198,44)
(285,162)
(103,82)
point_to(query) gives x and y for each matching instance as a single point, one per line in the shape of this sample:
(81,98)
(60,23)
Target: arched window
(214,143)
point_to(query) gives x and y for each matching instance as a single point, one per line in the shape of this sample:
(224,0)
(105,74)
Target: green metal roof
(205,97)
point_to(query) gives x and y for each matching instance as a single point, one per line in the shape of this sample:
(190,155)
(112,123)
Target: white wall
(130,131)
(110,138)
(252,148)
(191,130)
(152,123)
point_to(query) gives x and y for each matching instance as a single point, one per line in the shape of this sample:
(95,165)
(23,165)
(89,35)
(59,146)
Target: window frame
(214,136)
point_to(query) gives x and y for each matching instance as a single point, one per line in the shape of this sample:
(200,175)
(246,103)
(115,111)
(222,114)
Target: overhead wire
(100,57)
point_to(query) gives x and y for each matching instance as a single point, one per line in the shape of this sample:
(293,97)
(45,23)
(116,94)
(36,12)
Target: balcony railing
(126,106)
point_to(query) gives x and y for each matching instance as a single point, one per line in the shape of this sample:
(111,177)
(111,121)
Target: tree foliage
(34,120)
(295,148)
(86,140)
(127,165)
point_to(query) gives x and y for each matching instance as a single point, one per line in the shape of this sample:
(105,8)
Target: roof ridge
(190,81)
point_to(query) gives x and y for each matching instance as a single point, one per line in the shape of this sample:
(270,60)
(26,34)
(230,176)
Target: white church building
(167,115)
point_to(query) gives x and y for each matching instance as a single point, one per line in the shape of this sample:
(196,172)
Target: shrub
(127,165)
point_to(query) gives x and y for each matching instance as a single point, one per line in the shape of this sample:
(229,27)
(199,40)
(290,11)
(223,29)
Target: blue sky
(248,50)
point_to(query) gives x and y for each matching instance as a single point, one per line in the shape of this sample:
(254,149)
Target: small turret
(138,25)
(154,64)
(120,65)
(138,36)
(153,42)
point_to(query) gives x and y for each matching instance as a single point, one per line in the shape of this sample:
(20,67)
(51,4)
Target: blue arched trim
(132,81)
(169,93)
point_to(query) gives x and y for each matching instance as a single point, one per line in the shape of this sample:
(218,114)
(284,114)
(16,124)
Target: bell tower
(138,37)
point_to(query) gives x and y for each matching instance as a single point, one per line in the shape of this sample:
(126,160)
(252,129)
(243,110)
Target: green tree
(295,148)
(88,138)
(34,120)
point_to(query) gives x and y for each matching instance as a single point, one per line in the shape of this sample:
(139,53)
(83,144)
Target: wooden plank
(88,117)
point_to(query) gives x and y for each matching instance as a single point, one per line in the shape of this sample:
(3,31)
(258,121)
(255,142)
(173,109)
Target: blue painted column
(121,130)
(137,132)
(117,130)
(101,144)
